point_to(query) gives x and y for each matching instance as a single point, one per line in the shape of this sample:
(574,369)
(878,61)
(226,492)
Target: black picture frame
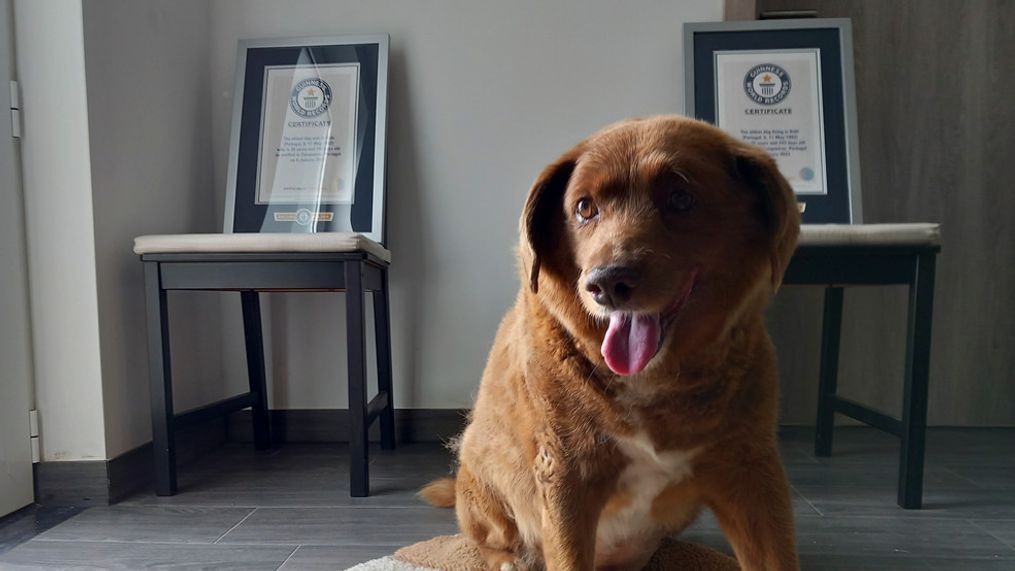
(364,212)
(831,38)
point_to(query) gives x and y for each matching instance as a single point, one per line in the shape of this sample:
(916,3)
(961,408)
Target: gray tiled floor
(290,509)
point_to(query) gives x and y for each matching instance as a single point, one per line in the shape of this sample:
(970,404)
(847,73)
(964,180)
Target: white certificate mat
(773,99)
(308,134)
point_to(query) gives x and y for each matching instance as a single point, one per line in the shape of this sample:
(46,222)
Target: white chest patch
(648,474)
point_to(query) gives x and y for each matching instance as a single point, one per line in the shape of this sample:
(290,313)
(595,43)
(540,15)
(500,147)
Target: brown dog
(633,382)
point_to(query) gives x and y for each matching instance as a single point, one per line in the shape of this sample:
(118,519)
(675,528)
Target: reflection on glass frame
(307,150)
(786,86)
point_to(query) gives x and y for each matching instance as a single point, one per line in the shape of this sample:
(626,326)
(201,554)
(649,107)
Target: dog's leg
(751,501)
(482,519)
(569,516)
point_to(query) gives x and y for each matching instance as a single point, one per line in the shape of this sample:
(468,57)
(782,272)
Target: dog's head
(654,235)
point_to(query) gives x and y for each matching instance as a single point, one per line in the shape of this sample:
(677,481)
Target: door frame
(16,474)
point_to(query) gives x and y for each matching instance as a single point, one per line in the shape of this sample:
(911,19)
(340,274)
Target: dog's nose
(611,286)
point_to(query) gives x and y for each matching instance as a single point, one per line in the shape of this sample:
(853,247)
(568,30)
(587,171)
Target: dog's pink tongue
(630,342)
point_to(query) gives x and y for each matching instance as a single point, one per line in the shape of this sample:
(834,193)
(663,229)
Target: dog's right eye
(586,210)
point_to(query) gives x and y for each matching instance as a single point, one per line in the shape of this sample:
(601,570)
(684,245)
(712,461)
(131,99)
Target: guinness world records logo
(310,97)
(767,84)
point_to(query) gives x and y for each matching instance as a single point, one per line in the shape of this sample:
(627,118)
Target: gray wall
(150,129)
(937,133)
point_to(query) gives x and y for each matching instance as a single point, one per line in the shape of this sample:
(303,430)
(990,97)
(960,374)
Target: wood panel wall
(936,98)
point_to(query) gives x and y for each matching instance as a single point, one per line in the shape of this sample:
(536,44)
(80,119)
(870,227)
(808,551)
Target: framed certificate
(786,86)
(308,136)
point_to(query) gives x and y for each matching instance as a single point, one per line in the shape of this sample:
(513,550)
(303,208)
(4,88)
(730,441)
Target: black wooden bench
(836,257)
(249,263)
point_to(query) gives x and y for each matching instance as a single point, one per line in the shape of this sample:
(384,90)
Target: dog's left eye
(586,210)
(680,201)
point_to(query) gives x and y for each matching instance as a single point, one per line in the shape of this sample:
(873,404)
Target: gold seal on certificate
(773,99)
(308,134)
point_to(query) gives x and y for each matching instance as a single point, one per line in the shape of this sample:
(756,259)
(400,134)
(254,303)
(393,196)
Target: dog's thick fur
(565,464)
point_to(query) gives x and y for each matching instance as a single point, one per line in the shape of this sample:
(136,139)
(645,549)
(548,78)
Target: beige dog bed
(455,553)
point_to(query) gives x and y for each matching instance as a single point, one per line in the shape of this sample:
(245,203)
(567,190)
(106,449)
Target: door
(15,333)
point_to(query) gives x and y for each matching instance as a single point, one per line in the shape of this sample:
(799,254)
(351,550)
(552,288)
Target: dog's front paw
(503,560)
(516,565)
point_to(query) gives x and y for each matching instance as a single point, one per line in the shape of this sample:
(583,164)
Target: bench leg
(382,336)
(914,399)
(830,333)
(355,334)
(254,337)
(160,380)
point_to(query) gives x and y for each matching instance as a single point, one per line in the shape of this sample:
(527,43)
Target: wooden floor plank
(341,526)
(152,524)
(110,555)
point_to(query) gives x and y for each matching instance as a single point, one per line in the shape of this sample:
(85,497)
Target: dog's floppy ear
(542,222)
(778,206)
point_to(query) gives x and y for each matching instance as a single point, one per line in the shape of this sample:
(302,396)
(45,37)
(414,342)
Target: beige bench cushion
(921,234)
(810,235)
(250,242)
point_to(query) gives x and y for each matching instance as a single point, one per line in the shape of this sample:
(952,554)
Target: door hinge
(33,432)
(15,110)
